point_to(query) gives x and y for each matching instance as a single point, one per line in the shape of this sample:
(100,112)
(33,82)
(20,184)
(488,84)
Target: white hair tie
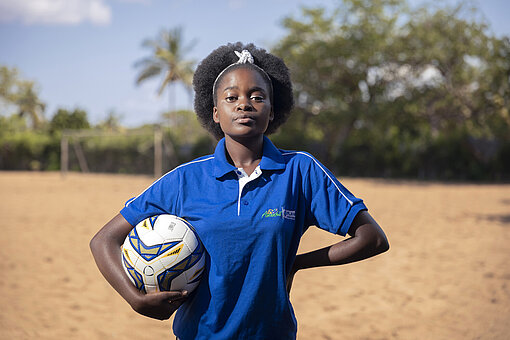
(244,57)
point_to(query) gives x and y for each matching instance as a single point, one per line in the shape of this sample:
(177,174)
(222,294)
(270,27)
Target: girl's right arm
(105,247)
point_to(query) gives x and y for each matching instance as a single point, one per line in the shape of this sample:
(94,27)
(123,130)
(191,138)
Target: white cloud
(60,12)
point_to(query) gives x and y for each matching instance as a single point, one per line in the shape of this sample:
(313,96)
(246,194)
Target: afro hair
(224,56)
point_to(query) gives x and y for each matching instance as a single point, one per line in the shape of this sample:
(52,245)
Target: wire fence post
(158,151)
(64,154)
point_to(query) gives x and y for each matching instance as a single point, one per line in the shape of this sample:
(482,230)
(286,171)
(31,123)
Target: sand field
(446,276)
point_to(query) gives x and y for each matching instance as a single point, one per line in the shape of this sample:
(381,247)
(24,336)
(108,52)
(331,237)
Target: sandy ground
(446,276)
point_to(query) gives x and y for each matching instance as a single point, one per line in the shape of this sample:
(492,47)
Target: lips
(244,119)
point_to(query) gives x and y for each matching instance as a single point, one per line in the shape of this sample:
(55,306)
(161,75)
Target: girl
(249,202)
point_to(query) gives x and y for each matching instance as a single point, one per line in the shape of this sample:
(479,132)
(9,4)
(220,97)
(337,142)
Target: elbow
(95,243)
(374,238)
(379,242)
(382,244)
(384,247)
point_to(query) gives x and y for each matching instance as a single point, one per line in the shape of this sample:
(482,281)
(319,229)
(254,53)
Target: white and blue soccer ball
(163,253)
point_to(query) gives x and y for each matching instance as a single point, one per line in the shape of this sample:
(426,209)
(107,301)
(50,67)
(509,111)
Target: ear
(215,116)
(271,115)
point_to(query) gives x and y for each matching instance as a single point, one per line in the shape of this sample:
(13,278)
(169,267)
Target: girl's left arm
(367,240)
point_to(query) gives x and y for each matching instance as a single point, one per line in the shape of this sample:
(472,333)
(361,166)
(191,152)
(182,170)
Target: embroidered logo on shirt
(283,213)
(272,213)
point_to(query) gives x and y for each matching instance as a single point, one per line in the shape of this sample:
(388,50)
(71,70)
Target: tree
(9,77)
(400,92)
(469,93)
(21,94)
(112,122)
(65,119)
(168,58)
(29,104)
(331,55)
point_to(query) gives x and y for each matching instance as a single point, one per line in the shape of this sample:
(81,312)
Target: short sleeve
(161,197)
(331,206)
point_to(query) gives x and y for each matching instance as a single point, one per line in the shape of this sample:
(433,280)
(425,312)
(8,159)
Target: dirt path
(446,276)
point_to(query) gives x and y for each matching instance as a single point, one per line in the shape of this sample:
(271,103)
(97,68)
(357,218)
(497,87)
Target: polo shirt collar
(272,158)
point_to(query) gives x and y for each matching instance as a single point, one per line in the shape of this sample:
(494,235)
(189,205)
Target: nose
(244,105)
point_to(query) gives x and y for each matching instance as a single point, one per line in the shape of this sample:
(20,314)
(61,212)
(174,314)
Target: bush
(28,150)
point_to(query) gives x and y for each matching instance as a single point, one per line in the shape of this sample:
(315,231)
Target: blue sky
(81,53)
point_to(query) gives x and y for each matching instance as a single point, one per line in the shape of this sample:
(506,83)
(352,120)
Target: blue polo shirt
(250,227)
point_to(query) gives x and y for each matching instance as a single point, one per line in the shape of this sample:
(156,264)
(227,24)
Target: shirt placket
(244,179)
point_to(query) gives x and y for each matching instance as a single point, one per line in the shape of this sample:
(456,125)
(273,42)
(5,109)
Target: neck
(244,153)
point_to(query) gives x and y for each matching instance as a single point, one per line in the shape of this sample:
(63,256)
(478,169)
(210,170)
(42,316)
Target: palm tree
(168,57)
(29,104)
(23,94)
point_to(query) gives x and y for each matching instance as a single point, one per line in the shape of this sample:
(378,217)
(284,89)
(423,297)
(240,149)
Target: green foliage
(132,150)
(25,149)
(22,95)
(186,136)
(118,153)
(111,123)
(8,83)
(107,148)
(66,120)
(12,124)
(383,90)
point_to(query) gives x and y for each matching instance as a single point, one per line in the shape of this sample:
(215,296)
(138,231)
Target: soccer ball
(163,253)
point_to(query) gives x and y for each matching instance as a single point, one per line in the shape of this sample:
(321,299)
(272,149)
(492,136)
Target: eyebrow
(253,89)
(230,88)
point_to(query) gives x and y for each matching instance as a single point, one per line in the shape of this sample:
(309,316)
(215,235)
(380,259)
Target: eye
(230,99)
(257,97)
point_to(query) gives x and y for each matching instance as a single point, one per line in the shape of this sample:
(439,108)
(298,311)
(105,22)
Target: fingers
(161,305)
(174,295)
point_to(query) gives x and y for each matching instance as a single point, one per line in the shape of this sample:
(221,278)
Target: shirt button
(238,172)
(245,202)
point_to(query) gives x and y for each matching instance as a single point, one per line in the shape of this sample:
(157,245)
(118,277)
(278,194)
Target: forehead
(243,76)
